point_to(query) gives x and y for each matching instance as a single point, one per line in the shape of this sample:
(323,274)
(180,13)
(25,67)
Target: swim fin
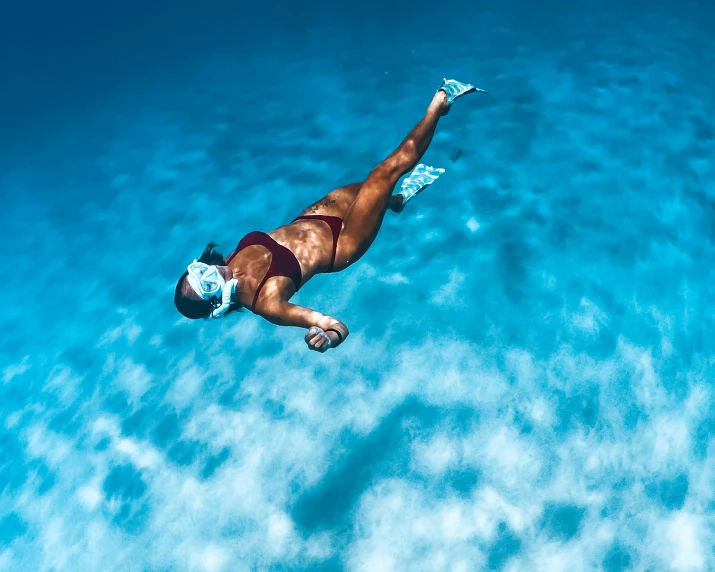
(456,89)
(420,177)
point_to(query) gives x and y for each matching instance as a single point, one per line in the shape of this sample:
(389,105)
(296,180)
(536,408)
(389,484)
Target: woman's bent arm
(284,313)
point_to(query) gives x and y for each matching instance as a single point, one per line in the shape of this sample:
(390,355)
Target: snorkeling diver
(266,269)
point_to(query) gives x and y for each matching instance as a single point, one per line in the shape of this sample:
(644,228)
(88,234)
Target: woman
(266,270)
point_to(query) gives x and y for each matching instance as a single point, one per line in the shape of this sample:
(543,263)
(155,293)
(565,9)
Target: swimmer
(266,270)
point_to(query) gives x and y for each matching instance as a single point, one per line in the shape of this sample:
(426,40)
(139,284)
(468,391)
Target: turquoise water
(529,376)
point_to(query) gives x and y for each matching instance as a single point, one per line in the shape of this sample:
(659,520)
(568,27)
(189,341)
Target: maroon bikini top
(283,261)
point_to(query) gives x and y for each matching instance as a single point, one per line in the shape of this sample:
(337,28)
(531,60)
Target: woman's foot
(440,102)
(396,203)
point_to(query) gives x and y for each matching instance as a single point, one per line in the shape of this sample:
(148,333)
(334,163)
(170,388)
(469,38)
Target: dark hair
(188,307)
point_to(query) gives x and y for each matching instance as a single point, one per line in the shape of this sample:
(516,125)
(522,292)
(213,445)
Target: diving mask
(205,280)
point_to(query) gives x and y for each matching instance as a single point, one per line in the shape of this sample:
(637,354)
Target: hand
(317,340)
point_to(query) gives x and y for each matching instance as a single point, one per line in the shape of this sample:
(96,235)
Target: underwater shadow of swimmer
(329,503)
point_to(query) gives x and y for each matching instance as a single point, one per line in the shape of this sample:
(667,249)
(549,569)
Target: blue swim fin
(421,177)
(456,89)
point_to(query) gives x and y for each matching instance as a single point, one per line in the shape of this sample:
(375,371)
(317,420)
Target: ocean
(528,382)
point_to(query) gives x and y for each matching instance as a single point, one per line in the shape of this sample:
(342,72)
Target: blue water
(529,377)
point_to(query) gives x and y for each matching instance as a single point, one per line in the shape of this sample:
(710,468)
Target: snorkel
(228,289)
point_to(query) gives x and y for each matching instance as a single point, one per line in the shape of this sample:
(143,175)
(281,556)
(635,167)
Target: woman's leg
(365,215)
(336,203)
